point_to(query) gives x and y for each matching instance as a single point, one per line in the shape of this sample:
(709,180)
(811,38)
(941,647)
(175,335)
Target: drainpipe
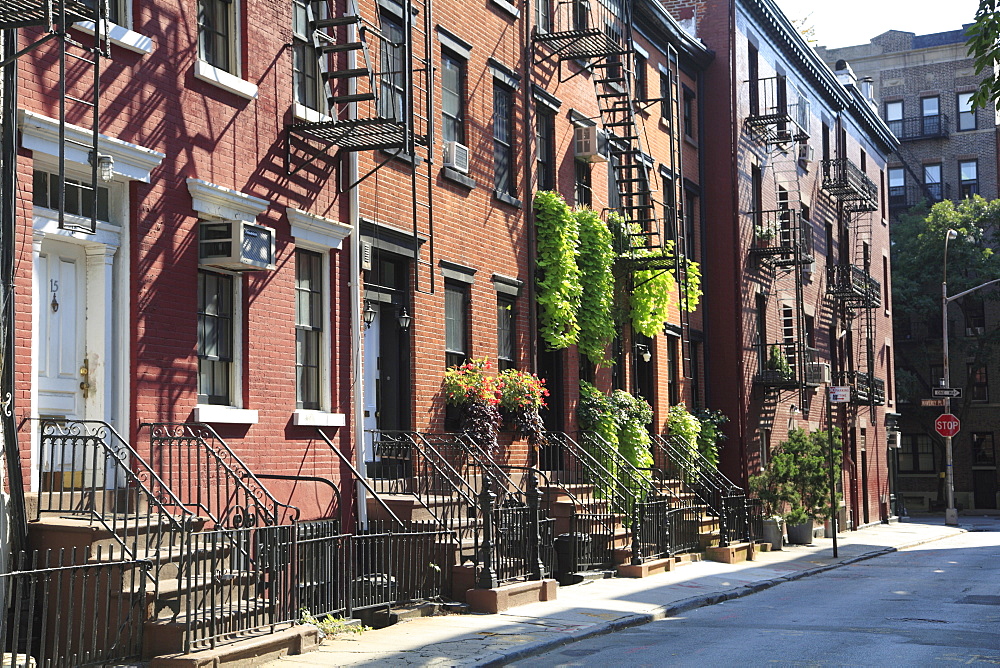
(16,515)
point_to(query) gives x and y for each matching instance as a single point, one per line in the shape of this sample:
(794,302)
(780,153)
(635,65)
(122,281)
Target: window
(116,11)
(894,117)
(308,329)
(673,372)
(983,451)
(669,208)
(975,315)
(79,196)
(581,14)
(826,142)
(543,15)
(456,323)
(614,198)
(930,111)
(452,98)
(393,98)
(545,140)
(979,389)
(933,188)
(216,33)
(968,175)
(886,292)
(810,331)
(966,114)
(897,187)
(505,334)
(688,113)
(753,78)
(690,206)
(503,139)
(305,61)
(916,454)
(641,91)
(890,391)
(215,338)
(665,90)
(582,189)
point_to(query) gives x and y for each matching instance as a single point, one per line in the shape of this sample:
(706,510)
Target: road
(935,605)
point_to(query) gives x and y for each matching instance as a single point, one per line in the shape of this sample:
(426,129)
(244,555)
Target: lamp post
(950,513)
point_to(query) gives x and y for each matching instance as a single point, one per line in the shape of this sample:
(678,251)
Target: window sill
(690,141)
(508,8)
(403,157)
(301,112)
(212,414)
(224,80)
(309,418)
(458,177)
(121,36)
(507,199)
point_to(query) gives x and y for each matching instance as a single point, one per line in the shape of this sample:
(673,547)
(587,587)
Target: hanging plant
(596,261)
(473,388)
(558,276)
(522,396)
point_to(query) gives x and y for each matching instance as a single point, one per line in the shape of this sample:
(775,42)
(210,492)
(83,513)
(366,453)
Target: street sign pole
(833,467)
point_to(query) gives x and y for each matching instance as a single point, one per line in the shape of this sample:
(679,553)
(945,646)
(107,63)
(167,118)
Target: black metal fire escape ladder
(378,82)
(57,17)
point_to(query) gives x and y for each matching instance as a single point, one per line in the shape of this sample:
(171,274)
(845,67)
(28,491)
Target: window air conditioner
(818,373)
(235,245)
(590,144)
(456,156)
(975,331)
(806,153)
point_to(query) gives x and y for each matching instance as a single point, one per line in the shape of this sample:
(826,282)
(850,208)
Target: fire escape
(782,244)
(850,284)
(377,78)
(600,34)
(78,89)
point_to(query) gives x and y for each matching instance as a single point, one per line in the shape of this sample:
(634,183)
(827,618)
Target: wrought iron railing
(783,237)
(63,609)
(920,127)
(772,372)
(778,113)
(866,389)
(854,285)
(845,182)
(209,478)
(662,531)
(582,29)
(905,197)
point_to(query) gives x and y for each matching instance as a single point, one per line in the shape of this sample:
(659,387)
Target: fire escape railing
(782,237)
(853,286)
(846,183)
(778,113)
(920,127)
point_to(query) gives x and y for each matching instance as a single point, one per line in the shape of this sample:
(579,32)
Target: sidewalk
(600,606)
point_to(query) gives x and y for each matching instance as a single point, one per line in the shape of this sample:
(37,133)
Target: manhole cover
(980,599)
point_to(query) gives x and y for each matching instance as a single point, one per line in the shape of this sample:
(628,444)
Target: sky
(848,22)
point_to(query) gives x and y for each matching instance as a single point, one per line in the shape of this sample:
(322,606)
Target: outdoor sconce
(368,314)
(643,350)
(105,166)
(404,320)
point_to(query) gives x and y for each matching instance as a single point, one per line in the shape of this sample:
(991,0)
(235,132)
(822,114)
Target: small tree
(796,481)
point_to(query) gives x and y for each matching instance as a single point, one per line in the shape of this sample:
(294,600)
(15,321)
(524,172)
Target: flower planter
(774,530)
(800,534)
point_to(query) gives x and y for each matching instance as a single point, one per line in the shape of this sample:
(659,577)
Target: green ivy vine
(596,414)
(596,261)
(558,276)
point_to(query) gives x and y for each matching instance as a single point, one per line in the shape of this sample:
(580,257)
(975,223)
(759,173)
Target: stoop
(246,653)
(733,553)
(496,600)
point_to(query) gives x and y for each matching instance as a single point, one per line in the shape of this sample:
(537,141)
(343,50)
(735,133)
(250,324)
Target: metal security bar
(60,610)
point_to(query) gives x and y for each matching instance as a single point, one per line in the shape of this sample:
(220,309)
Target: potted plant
(763,236)
(473,389)
(796,480)
(766,488)
(522,396)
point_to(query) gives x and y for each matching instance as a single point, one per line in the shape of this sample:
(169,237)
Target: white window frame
(320,235)
(303,111)
(229,80)
(121,33)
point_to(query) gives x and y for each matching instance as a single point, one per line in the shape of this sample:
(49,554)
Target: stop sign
(947,425)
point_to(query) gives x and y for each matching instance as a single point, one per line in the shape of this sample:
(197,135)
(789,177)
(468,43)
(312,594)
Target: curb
(684,605)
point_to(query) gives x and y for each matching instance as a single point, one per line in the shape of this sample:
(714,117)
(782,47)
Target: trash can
(572,551)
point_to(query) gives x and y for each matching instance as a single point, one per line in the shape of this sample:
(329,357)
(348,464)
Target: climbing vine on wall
(558,276)
(596,261)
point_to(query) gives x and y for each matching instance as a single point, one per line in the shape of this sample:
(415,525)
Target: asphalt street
(934,605)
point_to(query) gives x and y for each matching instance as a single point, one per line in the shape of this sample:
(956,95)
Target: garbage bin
(573,550)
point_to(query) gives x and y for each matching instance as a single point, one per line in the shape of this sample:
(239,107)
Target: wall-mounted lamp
(405,319)
(643,350)
(368,314)
(105,166)
(795,409)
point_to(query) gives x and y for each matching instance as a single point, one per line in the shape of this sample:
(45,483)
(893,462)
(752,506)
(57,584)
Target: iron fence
(662,531)
(59,610)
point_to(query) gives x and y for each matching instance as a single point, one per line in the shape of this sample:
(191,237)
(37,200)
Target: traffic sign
(953,392)
(840,394)
(929,403)
(947,425)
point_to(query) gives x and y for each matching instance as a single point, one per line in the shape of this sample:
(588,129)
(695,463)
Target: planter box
(800,534)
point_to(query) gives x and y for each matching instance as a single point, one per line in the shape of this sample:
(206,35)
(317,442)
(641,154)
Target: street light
(950,513)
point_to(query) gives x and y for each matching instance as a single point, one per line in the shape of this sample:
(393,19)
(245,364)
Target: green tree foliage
(984,46)
(684,426)
(558,276)
(596,260)
(633,415)
(796,481)
(710,434)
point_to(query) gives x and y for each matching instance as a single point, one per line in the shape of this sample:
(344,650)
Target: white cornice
(40,134)
(315,229)
(215,201)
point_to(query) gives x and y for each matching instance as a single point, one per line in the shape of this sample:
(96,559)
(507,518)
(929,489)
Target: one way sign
(952,392)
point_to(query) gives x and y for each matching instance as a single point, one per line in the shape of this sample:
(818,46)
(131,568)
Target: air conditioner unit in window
(975,331)
(806,154)
(590,144)
(818,373)
(456,156)
(235,245)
